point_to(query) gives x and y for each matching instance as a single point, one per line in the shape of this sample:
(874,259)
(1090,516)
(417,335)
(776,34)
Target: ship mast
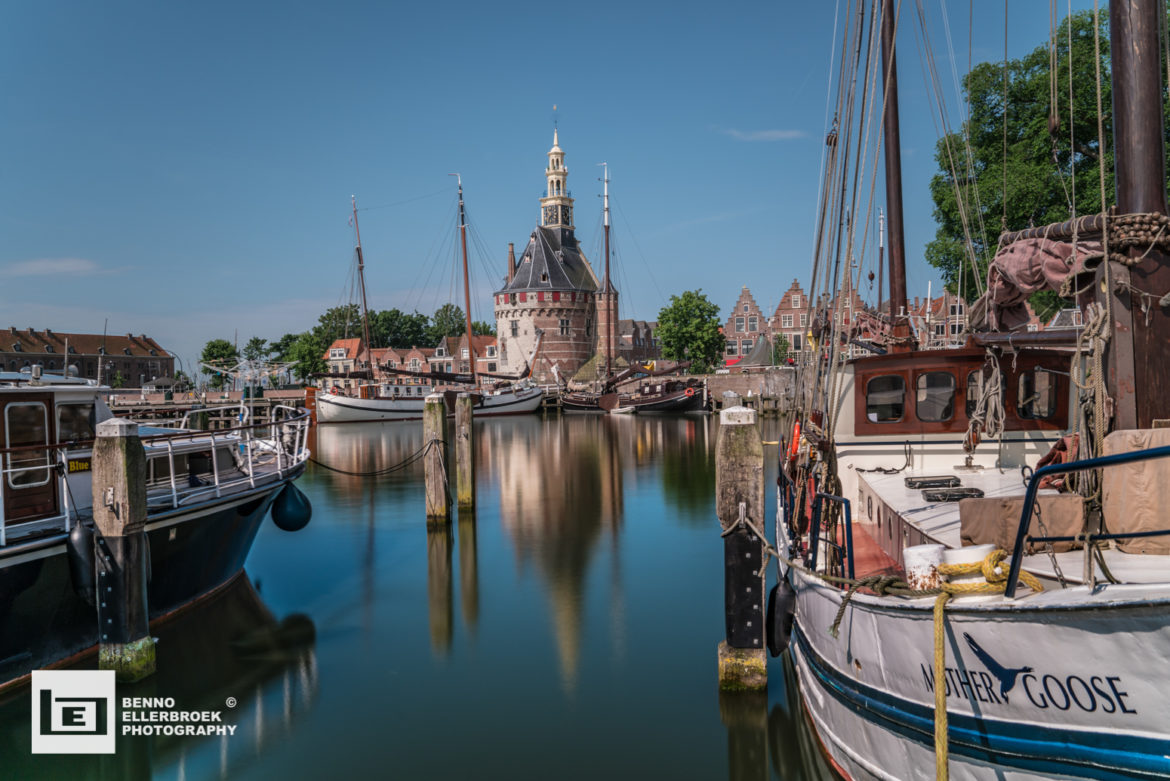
(362,287)
(893,156)
(466,286)
(608,285)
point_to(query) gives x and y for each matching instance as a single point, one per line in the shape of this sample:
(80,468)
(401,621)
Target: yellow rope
(940,690)
(995,581)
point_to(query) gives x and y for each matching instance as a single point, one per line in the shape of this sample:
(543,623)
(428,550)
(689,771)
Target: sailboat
(377,401)
(954,613)
(662,395)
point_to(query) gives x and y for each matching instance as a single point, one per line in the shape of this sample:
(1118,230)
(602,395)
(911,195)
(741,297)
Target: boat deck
(939,522)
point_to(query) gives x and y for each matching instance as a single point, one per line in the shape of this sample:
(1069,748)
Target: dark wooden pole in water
(1140,387)
(464,452)
(893,149)
(119,514)
(435,460)
(739,498)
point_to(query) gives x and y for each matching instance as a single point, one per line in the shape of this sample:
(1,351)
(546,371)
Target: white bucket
(971,554)
(921,562)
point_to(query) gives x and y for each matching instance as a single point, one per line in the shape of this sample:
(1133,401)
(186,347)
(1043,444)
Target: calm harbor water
(567,631)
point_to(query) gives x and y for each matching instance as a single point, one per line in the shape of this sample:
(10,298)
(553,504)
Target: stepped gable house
(790,319)
(745,326)
(130,361)
(552,289)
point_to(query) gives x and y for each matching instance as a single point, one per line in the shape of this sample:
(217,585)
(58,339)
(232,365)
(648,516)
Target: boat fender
(80,549)
(794,447)
(291,511)
(781,611)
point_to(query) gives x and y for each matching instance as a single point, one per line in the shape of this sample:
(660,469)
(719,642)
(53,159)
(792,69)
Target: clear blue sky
(184,169)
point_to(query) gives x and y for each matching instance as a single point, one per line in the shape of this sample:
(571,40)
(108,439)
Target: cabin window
(974,390)
(885,398)
(936,396)
(1036,399)
(27,423)
(75,422)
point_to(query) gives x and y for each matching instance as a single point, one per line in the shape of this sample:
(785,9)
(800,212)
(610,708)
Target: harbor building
(552,289)
(118,361)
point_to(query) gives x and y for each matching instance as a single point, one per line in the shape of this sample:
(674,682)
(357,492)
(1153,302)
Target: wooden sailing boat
(1054,662)
(381,402)
(663,395)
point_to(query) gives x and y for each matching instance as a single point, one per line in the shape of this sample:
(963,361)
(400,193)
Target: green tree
(279,349)
(448,320)
(1040,164)
(118,381)
(340,322)
(394,328)
(688,329)
(780,348)
(480,328)
(256,349)
(308,353)
(218,354)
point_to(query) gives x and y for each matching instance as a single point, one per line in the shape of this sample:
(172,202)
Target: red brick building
(125,361)
(745,326)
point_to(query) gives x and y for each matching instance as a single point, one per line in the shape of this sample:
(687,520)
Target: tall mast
(608,285)
(1138,384)
(466,286)
(893,173)
(362,286)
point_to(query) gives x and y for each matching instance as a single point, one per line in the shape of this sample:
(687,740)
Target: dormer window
(18,348)
(72,350)
(154,352)
(544,277)
(126,351)
(336,353)
(102,350)
(440,352)
(491,351)
(464,353)
(48,348)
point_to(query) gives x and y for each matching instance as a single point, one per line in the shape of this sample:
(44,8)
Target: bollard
(435,460)
(739,497)
(119,513)
(730,399)
(464,448)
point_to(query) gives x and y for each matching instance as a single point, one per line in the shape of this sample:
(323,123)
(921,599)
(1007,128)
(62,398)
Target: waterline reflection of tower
(560,487)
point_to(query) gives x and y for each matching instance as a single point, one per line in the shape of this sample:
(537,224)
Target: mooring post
(119,513)
(435,460)
(730,399)
(464,449)
(739,505)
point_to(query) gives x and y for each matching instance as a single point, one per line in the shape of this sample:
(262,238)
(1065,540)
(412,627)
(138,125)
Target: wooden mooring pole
(119,513)
(435,460)
(464,450)
(739,499)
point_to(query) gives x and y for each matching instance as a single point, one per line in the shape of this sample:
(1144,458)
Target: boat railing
(277,447)
(1070,467)
(841,564)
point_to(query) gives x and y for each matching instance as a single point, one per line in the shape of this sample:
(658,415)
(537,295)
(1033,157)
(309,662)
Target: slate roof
(552,260)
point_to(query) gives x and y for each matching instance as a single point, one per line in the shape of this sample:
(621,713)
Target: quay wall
(775,386)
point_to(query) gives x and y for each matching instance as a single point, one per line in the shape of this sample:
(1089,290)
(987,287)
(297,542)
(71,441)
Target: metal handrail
(814,540)
(287,456)
(1070,467)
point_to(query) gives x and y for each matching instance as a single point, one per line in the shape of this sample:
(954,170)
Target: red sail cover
(1023,267)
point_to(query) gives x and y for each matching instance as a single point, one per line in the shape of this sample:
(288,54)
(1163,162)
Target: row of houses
(936,321)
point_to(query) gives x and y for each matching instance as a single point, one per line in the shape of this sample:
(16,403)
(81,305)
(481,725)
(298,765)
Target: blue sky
(184,169)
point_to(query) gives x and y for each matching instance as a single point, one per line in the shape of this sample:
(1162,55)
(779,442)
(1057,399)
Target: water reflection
(440,599)
(229,646)
(468,570)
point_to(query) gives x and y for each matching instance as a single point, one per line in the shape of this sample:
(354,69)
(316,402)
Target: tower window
(515,327)
(564,327)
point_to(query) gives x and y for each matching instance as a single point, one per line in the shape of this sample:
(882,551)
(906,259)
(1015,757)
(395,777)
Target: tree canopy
(688,328)
(1042,169)
(219,354)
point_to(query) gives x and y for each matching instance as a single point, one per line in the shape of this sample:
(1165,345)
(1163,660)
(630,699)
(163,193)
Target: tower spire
(556,207)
